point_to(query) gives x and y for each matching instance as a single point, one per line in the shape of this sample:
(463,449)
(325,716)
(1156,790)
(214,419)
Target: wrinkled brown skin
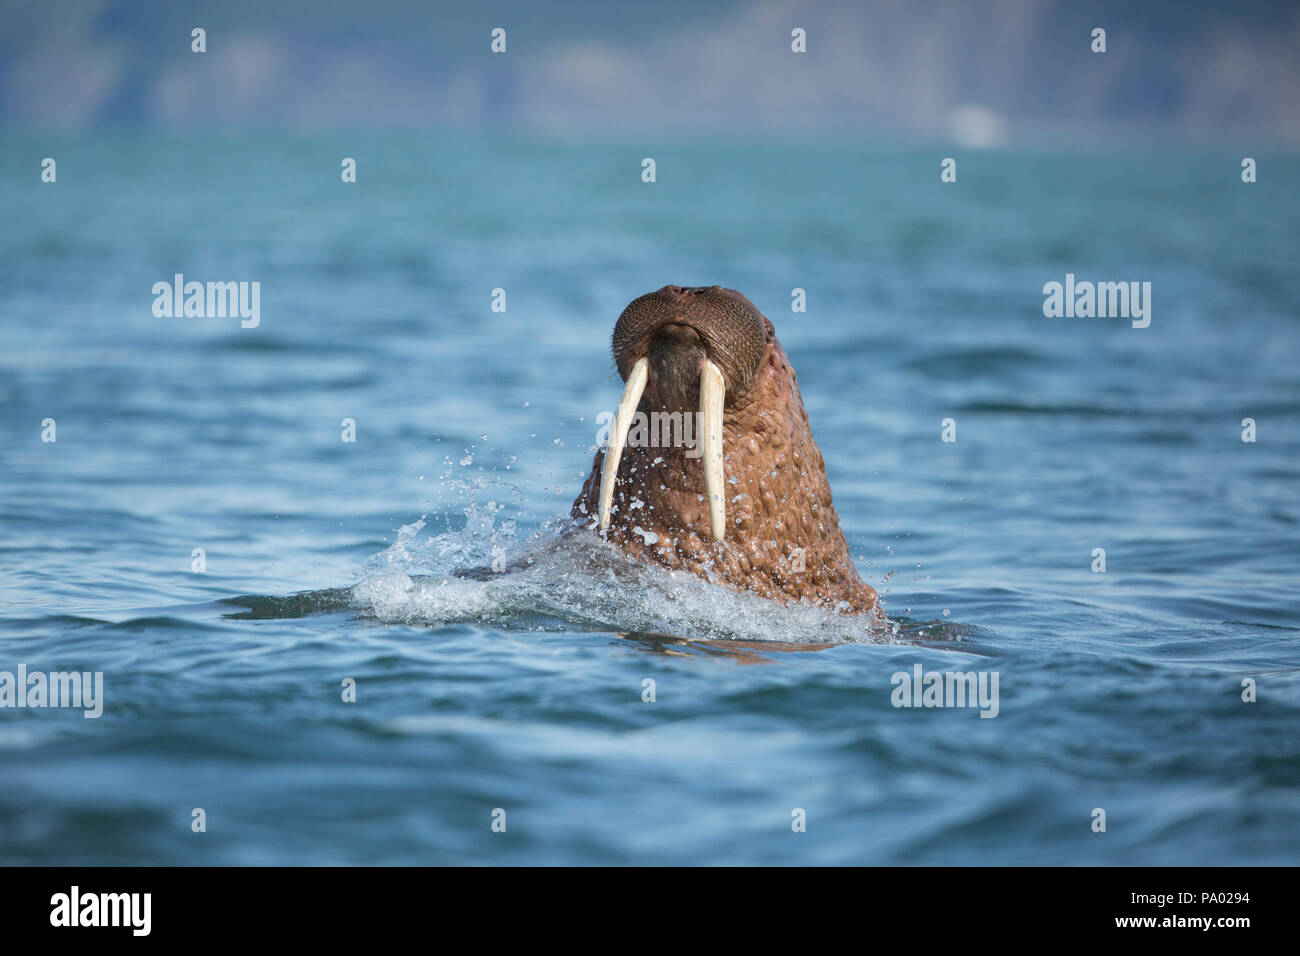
(778,496)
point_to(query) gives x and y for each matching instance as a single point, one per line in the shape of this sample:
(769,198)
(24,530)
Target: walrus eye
(713,392)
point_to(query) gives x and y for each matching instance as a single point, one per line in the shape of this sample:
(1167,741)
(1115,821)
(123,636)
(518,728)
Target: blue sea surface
(324,560)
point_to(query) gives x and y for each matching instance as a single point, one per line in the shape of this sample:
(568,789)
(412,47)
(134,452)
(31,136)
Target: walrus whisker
(713,389)
(636,380)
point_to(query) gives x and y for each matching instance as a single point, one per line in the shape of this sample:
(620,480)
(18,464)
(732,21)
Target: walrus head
(710,464)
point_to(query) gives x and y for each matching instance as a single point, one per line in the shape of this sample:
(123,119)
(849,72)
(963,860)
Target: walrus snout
(731,330)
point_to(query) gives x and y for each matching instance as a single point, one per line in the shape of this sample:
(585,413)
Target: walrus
(745,501)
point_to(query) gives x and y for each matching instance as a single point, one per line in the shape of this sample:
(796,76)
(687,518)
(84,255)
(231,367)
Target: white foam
(569,577)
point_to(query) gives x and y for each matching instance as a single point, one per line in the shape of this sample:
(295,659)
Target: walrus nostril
(678,334)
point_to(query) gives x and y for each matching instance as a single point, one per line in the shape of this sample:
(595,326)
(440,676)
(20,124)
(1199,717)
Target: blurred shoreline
(1013,71)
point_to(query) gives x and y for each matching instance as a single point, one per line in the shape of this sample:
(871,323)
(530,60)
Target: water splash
(563,577)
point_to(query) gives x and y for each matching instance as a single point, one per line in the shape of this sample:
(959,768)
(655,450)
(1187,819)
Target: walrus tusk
(712,391)
(636,380)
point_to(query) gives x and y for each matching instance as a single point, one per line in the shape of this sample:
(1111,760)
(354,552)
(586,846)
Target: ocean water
(324,560)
